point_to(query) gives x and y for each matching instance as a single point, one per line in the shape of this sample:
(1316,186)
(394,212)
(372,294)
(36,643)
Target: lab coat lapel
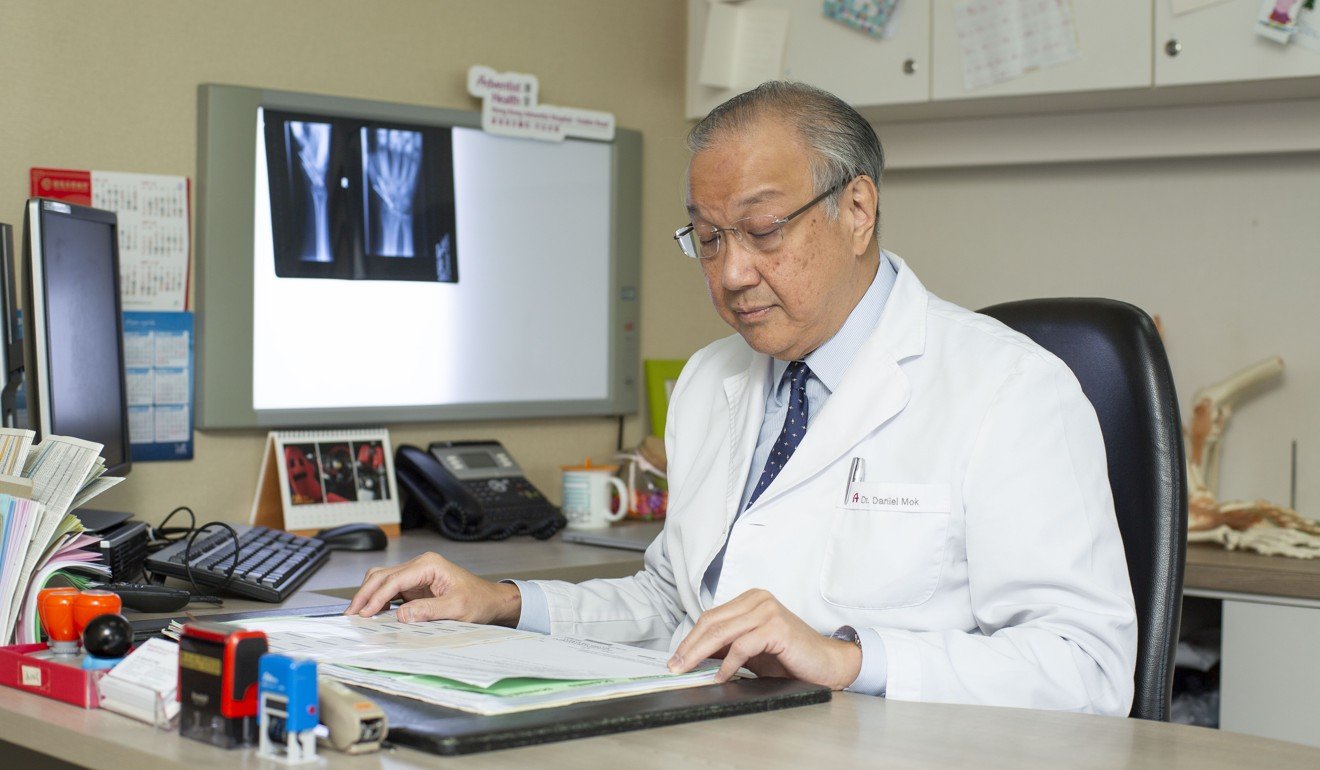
(746,394)
(873,390)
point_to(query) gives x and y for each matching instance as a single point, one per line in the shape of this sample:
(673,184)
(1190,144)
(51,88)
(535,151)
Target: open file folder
(440,730)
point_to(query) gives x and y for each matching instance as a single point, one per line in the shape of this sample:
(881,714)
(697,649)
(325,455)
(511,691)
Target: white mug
(587,496)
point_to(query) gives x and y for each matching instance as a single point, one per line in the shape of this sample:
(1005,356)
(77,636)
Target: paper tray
(441,730)
(62,678)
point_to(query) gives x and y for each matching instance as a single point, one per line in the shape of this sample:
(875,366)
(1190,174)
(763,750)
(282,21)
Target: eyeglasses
(762,233)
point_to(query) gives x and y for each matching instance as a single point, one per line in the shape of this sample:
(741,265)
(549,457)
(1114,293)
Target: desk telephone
(472,490)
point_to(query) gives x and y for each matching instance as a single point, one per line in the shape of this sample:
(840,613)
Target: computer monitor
(11,342)
(73,346)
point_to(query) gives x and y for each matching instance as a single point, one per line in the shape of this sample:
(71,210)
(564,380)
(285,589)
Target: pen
(857,472)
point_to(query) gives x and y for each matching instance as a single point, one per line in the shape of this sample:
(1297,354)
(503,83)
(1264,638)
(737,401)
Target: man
(870,488)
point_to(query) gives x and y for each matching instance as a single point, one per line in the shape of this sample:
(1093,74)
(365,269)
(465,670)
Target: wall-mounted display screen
(372,262)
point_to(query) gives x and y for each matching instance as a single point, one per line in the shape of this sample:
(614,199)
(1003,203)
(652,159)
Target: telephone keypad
(506,492)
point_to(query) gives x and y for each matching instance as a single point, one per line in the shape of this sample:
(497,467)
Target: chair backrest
(1118,358)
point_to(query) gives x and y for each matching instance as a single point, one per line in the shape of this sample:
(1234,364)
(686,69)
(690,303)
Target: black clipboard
(441,730)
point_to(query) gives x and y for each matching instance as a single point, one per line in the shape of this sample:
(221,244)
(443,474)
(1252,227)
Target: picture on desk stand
(312,480)
(359,200)
(302,474)
(371,480)
(338,472)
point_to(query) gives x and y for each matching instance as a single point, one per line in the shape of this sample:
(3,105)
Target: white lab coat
(1016,595)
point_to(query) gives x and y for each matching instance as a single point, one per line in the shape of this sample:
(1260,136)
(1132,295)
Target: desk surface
(1211,568)
(849,729)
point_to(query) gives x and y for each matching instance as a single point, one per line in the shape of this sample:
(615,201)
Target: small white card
(902,498)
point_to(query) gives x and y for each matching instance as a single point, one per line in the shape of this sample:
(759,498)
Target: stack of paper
(143,685)
(38,536)
(483,669)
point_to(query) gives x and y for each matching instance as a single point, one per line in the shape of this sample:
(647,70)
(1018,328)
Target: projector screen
(364,262)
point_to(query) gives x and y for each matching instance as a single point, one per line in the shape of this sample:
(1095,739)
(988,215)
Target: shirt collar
(829,361)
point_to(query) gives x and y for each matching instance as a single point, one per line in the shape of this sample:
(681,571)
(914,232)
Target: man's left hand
(756,631)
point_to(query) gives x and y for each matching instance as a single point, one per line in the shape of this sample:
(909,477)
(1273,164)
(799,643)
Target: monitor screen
(369,262)
(74,335)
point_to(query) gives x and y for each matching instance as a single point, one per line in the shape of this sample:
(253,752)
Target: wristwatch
(848,634)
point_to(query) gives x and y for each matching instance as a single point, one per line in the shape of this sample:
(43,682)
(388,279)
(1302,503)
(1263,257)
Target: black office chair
(1119,360)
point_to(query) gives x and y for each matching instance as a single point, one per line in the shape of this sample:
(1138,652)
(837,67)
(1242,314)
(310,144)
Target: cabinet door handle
(1173,47)
(909,66)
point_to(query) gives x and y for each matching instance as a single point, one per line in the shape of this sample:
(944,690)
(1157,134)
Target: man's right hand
(436,589)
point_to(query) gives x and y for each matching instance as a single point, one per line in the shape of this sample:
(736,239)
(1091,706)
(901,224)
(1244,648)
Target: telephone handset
(472,490)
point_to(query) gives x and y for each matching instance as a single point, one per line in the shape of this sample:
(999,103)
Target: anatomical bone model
(1256,525)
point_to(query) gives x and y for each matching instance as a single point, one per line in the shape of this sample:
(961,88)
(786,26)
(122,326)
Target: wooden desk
(1211,570)
(850,729)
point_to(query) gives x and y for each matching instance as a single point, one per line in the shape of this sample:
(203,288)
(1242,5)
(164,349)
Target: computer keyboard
(271,563)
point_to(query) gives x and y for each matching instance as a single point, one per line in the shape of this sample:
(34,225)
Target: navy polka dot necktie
(795,427)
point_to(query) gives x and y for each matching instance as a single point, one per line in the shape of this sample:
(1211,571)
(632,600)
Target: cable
(162,536)
(188,554)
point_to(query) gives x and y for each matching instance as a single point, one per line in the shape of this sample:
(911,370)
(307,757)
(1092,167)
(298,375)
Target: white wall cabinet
(858,68)
(1219,44)
(1130,50)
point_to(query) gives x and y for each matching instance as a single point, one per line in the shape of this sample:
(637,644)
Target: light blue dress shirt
(828,364)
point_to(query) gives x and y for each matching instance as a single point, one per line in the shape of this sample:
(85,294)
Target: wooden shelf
(1211,568)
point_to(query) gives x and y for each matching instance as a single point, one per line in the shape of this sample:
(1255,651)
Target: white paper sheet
(473,654)
(153,236)
(1178,7)
(1004,39)
(1307,33)
(744,46)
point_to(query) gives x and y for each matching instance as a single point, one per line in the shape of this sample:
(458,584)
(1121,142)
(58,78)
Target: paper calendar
(312,480)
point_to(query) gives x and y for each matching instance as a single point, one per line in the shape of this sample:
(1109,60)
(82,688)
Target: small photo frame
(661,375)
(313,480)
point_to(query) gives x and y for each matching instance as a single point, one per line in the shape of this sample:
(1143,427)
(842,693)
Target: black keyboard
(271,564)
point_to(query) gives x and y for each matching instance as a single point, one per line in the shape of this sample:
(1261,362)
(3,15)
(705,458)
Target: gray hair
(843,144)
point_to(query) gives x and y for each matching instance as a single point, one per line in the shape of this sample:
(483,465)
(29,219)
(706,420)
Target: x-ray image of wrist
(312,141)
(393,159)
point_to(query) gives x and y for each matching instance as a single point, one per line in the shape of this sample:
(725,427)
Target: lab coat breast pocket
(879,560)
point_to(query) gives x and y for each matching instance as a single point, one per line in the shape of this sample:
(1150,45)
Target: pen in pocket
(857,472)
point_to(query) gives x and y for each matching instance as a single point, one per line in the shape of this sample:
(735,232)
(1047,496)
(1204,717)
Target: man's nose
(738,263)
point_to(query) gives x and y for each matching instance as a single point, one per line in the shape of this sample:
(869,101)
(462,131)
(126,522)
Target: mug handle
(622,489)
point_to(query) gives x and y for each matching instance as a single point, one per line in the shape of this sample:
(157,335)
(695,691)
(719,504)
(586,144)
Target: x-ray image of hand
(312,141)
(394,157)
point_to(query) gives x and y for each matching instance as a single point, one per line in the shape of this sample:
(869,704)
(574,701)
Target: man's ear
(859,203)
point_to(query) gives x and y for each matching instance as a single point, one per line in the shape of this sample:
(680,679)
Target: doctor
(870,488)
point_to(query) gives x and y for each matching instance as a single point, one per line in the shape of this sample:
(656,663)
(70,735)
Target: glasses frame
(690,247)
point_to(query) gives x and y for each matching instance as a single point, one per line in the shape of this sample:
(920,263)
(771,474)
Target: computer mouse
(353,537)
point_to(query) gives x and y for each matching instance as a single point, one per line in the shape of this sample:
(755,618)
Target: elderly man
(870,488)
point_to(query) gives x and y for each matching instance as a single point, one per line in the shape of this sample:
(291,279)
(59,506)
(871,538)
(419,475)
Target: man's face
(788,302)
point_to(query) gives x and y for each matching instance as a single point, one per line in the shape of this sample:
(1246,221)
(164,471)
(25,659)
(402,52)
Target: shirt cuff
(535,607)
(874,676)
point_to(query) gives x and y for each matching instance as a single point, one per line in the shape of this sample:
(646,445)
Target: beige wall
(1224,249)
(112,86)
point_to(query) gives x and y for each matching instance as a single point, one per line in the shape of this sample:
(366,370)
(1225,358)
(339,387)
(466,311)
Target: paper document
(14,446)
(153,236)
(38,535)
(1004,39)
(744,46)
(1178,7)
(143,686)
(487,669)
(59,467)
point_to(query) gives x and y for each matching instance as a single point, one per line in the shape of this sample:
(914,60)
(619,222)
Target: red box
(69,682)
